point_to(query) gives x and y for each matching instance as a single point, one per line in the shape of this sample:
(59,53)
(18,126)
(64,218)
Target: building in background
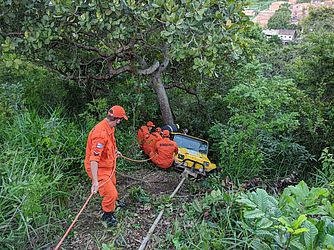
(286,36)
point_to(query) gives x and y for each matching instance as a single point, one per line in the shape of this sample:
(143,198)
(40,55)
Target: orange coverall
(101,147)
(150,142)
(142,133)
(164,150)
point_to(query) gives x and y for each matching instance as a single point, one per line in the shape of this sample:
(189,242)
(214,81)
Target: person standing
(100,161)
(165,149)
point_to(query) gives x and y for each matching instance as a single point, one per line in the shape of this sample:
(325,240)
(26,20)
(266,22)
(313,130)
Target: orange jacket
(142,132)
(150,142)
(101,147)
(165,150)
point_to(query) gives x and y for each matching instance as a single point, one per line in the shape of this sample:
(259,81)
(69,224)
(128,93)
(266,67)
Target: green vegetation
(281,18)
(301,218)
(137,194)
(103,41)
(266,108)
(260,5)
(39,161)
(319,20)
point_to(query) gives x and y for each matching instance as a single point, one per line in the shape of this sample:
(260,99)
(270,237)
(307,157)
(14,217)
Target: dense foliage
(39,162)
(301,218)
(101,41)
(266,108)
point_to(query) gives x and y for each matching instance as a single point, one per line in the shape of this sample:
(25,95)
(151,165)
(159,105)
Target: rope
(83,207)
(90,196)
(133,160)
(74,221)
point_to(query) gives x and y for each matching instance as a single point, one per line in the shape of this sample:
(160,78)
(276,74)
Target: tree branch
(165,62)
(90,48)
(150,69)
(130,45)
(112,74)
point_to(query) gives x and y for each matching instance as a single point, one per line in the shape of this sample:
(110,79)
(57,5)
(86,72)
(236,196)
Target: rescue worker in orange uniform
(100,161)
(158,131)
(152,139)
(165,149)
(143,132)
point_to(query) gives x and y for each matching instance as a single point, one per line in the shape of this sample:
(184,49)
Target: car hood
(194,153)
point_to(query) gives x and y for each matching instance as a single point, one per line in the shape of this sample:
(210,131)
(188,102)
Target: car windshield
(184,141)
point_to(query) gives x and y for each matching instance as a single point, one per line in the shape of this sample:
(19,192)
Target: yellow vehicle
(193,154)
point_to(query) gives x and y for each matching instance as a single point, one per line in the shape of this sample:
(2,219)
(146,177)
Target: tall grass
(39,158)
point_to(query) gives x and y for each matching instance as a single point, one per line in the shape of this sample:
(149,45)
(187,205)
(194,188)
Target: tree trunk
(159,89)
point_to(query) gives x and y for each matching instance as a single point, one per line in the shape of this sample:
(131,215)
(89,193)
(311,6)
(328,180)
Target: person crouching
(165,150)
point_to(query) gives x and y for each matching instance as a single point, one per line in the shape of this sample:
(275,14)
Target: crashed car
(193,154)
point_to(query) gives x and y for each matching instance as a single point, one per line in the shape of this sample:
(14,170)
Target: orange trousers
(109,193)
(161,162)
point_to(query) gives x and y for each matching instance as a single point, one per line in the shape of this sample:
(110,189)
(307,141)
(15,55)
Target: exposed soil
(135,220)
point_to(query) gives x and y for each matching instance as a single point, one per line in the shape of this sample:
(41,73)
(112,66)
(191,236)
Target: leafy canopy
(102,39)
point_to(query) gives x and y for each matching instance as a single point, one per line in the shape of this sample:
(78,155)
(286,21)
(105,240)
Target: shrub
(301,218)
(259,138)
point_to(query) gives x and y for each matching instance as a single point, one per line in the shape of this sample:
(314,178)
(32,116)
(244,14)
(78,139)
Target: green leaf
(301,190)
(329,240)
(264,223)
(216,193)
(197,206)
(297,244)
(259,245)
(300,230)
(252,214)
(309,237)
(296,224)
(247,202)
(283,221)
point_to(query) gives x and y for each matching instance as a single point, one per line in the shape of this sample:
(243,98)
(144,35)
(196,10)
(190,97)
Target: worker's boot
(110,218)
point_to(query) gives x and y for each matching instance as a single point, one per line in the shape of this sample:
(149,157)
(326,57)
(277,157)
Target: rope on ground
(90,196)
(157,219)
(74,221)
(83,207)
